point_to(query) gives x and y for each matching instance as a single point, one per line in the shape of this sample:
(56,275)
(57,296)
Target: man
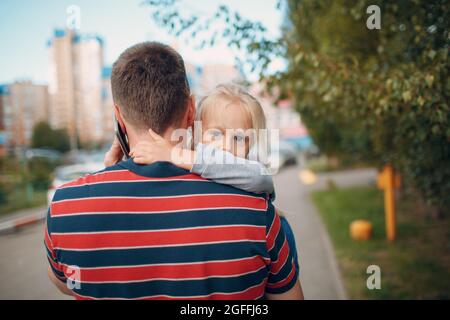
(157,231)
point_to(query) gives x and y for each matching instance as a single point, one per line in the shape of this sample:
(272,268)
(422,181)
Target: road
(23,266)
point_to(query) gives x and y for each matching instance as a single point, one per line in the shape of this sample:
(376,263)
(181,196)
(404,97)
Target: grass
(415,266)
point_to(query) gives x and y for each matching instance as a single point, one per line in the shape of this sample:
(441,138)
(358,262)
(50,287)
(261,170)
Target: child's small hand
(147,152)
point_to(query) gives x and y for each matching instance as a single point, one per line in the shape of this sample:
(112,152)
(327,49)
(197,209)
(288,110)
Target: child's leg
(291,240)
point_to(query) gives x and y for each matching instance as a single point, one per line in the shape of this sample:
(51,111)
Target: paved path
(23,266)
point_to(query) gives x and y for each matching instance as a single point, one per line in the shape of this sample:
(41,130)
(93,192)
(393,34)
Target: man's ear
(119,118)
(191,111)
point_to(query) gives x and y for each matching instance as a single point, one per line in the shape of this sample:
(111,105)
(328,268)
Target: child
(225,114)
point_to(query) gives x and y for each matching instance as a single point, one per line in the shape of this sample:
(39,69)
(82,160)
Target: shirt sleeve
(224,167)
(51,254)
(283,274)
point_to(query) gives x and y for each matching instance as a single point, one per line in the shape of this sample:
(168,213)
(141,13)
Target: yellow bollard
(387,181)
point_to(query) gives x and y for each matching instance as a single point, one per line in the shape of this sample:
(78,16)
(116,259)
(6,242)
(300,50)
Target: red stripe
(157,238)
(273,232)
(155,204)
(178,271)
(282,257)
(124,175)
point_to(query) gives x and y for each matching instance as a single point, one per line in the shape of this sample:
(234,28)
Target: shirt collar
(157,169)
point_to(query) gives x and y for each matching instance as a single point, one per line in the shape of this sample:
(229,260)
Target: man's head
(150,88)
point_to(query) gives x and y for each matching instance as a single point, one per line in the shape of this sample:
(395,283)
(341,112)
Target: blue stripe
(172,288)
(156,221)
(140,256)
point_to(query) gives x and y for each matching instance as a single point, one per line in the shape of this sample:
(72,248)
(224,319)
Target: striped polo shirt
(160,232)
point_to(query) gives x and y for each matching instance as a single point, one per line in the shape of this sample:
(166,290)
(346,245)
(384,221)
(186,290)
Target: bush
(375,95)
(379,96)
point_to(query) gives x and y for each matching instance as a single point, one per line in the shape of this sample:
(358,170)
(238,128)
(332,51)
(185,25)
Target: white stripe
(158,230)
(173,279)
(175,297)
(158,246)
(154,212)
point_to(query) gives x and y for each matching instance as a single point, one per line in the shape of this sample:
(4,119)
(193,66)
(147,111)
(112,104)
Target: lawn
(415,266)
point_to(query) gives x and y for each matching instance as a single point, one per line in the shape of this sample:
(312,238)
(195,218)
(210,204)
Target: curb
(329,248)
(17,223)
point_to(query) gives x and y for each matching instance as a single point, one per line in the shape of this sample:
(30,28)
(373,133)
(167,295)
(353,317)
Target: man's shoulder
(82,182)
(90,177)
(120,181)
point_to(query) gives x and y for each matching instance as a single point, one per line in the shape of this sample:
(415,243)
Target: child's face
(225,128)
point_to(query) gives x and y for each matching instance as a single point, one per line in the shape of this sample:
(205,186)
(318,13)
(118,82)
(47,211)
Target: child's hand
(157,149)
(114,154)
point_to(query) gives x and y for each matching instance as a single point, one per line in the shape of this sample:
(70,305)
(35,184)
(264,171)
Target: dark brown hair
(150,86)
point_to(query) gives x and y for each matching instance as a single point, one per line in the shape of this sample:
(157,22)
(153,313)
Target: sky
(27,25)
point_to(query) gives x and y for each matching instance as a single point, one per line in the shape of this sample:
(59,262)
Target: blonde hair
(233,94)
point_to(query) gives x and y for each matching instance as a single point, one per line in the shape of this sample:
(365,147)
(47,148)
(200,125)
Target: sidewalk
(319,272)
(12,221)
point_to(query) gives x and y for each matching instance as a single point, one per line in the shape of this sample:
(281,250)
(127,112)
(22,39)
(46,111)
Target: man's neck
(136,137)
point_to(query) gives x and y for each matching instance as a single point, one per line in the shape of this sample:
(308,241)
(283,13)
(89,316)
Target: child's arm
(209,162)
(224,167)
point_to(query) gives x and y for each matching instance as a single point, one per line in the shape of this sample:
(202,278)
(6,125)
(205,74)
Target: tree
(377,95)
(46,137)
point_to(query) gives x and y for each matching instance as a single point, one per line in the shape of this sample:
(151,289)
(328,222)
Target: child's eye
(239,138)
(216,133)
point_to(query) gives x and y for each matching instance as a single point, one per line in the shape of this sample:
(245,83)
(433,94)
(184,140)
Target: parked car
(68,173)
(49,154)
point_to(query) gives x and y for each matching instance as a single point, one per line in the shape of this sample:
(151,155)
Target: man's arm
(295,293)
(282,282)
